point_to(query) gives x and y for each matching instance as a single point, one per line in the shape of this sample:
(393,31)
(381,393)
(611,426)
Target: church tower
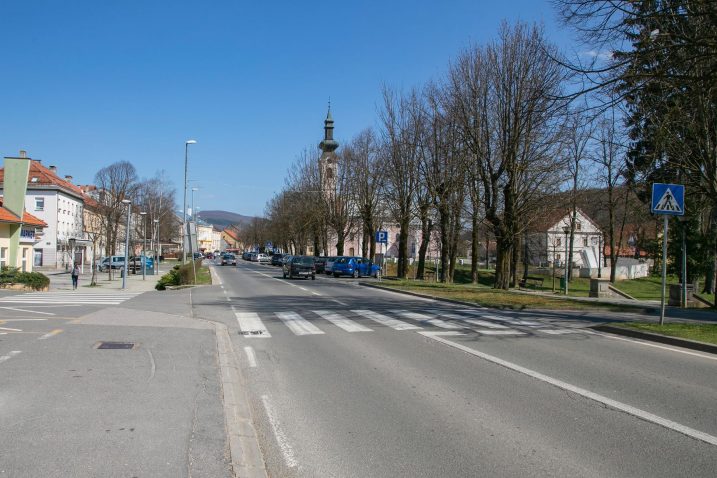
(328,160)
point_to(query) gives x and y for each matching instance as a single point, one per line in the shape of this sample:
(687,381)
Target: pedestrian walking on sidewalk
(75,275)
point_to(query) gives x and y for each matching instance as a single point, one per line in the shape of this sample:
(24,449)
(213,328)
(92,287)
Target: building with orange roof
(20,231)
(60,205)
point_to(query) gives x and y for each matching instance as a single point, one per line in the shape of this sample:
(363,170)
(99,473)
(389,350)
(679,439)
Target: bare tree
(504,98)
(115,183)
(401,128)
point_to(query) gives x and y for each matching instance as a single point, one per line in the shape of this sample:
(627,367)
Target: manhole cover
(116,345)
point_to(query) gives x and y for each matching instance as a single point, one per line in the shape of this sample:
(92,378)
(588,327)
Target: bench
(534,281)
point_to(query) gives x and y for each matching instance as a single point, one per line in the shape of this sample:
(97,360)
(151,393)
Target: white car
(263,258)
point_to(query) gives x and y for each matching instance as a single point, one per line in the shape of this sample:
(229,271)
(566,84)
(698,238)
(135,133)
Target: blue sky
(88,83)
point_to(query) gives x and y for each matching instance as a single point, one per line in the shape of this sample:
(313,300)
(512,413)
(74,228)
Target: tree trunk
(445,241)
(402,270)
(474,248)
(504,249)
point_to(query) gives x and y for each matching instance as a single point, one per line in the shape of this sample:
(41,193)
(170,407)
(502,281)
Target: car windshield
(305,260)
(229,256)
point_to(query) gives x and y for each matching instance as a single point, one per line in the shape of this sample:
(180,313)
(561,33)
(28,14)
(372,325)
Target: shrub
(169,279)
(12,275)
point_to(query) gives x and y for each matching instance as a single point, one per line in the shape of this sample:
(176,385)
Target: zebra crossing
(69,298)
(314,322)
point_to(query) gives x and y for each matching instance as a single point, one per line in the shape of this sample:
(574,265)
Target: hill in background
(222,219)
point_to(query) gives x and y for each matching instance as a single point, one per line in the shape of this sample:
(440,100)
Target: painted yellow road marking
(50,334)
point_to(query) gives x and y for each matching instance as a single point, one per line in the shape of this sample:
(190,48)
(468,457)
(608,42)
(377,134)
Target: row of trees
(154,196)
(513,130)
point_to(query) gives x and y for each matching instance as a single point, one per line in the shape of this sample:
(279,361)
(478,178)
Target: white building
(547,243)
(60,204)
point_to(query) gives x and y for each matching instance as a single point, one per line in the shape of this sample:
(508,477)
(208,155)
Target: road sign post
(667,200)
(382,238)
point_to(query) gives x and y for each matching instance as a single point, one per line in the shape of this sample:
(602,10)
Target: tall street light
(143,256)
(184,205)
(157,247)
(126,243)
(566,230)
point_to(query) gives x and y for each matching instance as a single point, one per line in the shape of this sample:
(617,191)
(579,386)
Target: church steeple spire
(328,145)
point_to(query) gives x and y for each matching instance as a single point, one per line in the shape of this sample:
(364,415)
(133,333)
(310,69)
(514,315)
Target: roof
(231,233)
(40,176)
(7,216)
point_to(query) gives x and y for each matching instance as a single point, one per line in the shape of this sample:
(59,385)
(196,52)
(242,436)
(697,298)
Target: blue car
(354,267)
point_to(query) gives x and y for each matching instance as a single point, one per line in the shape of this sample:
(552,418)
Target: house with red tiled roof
(60,204)
(231,239)
(20,231)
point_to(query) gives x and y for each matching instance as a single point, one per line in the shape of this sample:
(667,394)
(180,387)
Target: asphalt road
(339,388)
(338,380)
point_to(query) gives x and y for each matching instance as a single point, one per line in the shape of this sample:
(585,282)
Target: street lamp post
(143,256)
(126,243)
(157,247)
(184,204)
(566,230)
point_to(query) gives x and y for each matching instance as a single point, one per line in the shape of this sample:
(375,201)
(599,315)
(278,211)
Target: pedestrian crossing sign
(668,199)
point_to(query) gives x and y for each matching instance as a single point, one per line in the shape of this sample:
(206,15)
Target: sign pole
(664,271)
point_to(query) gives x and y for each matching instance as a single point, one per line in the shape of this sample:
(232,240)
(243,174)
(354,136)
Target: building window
(557,257)
(585,241)
(39,204)
(3,256)
(578,225)
(558,242)
(24,259)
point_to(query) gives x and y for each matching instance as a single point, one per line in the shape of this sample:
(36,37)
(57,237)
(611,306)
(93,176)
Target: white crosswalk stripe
(251,325)
(426,319)
(342,322)
(69,298)
(298,324)
(385,320)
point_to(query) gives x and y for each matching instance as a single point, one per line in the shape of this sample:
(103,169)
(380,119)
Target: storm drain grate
(116,345)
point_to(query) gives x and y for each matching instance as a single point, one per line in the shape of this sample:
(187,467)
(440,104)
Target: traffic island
(702,337)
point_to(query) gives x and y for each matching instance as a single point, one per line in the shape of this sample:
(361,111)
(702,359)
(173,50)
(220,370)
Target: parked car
(329,265)
(253,256)
(209,255)
(246,255)
(285,259)
(320,264)
(300,266)
(355,267)
(135,263)
(229,260)
(276,259)
(263,258)
(114,262)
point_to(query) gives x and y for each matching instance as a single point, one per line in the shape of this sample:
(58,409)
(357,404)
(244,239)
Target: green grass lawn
(699,332)
(488,297)
(204,277)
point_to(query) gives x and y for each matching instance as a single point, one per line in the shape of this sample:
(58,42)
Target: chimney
(68,179)
(53,169)
(23,153)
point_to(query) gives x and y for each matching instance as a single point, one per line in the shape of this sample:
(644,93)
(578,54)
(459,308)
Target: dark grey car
(300,266)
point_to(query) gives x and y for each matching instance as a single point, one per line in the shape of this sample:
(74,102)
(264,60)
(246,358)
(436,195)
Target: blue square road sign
(668,199)
(382,237)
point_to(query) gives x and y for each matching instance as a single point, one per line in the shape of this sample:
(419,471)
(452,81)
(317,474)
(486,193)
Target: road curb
(246,457)
(663,339)
(424,296)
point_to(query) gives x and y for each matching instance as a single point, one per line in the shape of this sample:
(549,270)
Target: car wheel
(284,274)
(336,274)
(313,277)
(356,274)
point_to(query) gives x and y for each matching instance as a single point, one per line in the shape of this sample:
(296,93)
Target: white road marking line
(2,321)
(565,331)
(340,321)
(649,344)
(24,310)
(251,325)
(10,355)
(511,320)
(426,319)
(629,409)
(11,330)
(500,332)
(281,439)
(484,323)
(52,333)
(250,356)
(298,324)
(339,302)
(387,321)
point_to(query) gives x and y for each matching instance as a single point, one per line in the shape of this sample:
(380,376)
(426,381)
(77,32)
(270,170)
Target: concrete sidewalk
(135,283)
